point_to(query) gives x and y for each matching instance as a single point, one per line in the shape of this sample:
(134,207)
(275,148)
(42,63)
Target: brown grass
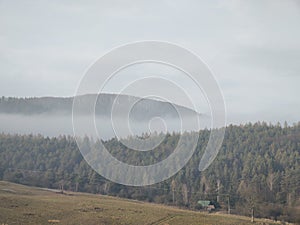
(28,205)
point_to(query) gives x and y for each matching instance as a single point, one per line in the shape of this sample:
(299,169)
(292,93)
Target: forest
(257,168)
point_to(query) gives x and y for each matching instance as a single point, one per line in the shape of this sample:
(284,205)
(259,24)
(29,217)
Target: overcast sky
(253,47)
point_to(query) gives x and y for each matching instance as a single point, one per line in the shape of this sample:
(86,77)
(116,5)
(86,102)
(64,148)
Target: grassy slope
(27,205)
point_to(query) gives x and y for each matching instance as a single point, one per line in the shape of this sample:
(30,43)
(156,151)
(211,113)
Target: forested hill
(257,167)
(143,108)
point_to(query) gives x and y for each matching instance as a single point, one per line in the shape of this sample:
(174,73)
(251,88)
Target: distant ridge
(143,109)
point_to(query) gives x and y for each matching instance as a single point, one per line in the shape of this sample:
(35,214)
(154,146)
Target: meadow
(21,204)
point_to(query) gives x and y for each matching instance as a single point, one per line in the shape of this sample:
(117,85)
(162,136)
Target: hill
(52,116)
(28,205)
(144,108)
(258,167)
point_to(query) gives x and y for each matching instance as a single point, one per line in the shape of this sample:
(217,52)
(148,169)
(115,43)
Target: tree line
(257,168)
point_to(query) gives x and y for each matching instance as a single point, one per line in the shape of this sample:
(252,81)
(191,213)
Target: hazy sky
(253,47)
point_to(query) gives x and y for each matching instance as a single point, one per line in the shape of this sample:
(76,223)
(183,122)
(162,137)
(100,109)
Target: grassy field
(28,205)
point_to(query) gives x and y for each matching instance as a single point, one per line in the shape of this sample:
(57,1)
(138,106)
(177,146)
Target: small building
(206,204)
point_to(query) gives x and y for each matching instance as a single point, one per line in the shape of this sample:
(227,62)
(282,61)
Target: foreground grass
(28,205)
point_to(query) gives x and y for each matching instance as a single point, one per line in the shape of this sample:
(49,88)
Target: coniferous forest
(257,168)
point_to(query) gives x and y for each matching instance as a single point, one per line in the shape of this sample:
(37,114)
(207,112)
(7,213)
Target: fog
(57,124)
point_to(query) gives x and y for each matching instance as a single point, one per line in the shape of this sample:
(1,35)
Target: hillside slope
(52,116)
(258,166)
(143,108)
(27,205)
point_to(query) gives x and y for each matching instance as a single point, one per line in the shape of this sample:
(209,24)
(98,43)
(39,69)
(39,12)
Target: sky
(251,46)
